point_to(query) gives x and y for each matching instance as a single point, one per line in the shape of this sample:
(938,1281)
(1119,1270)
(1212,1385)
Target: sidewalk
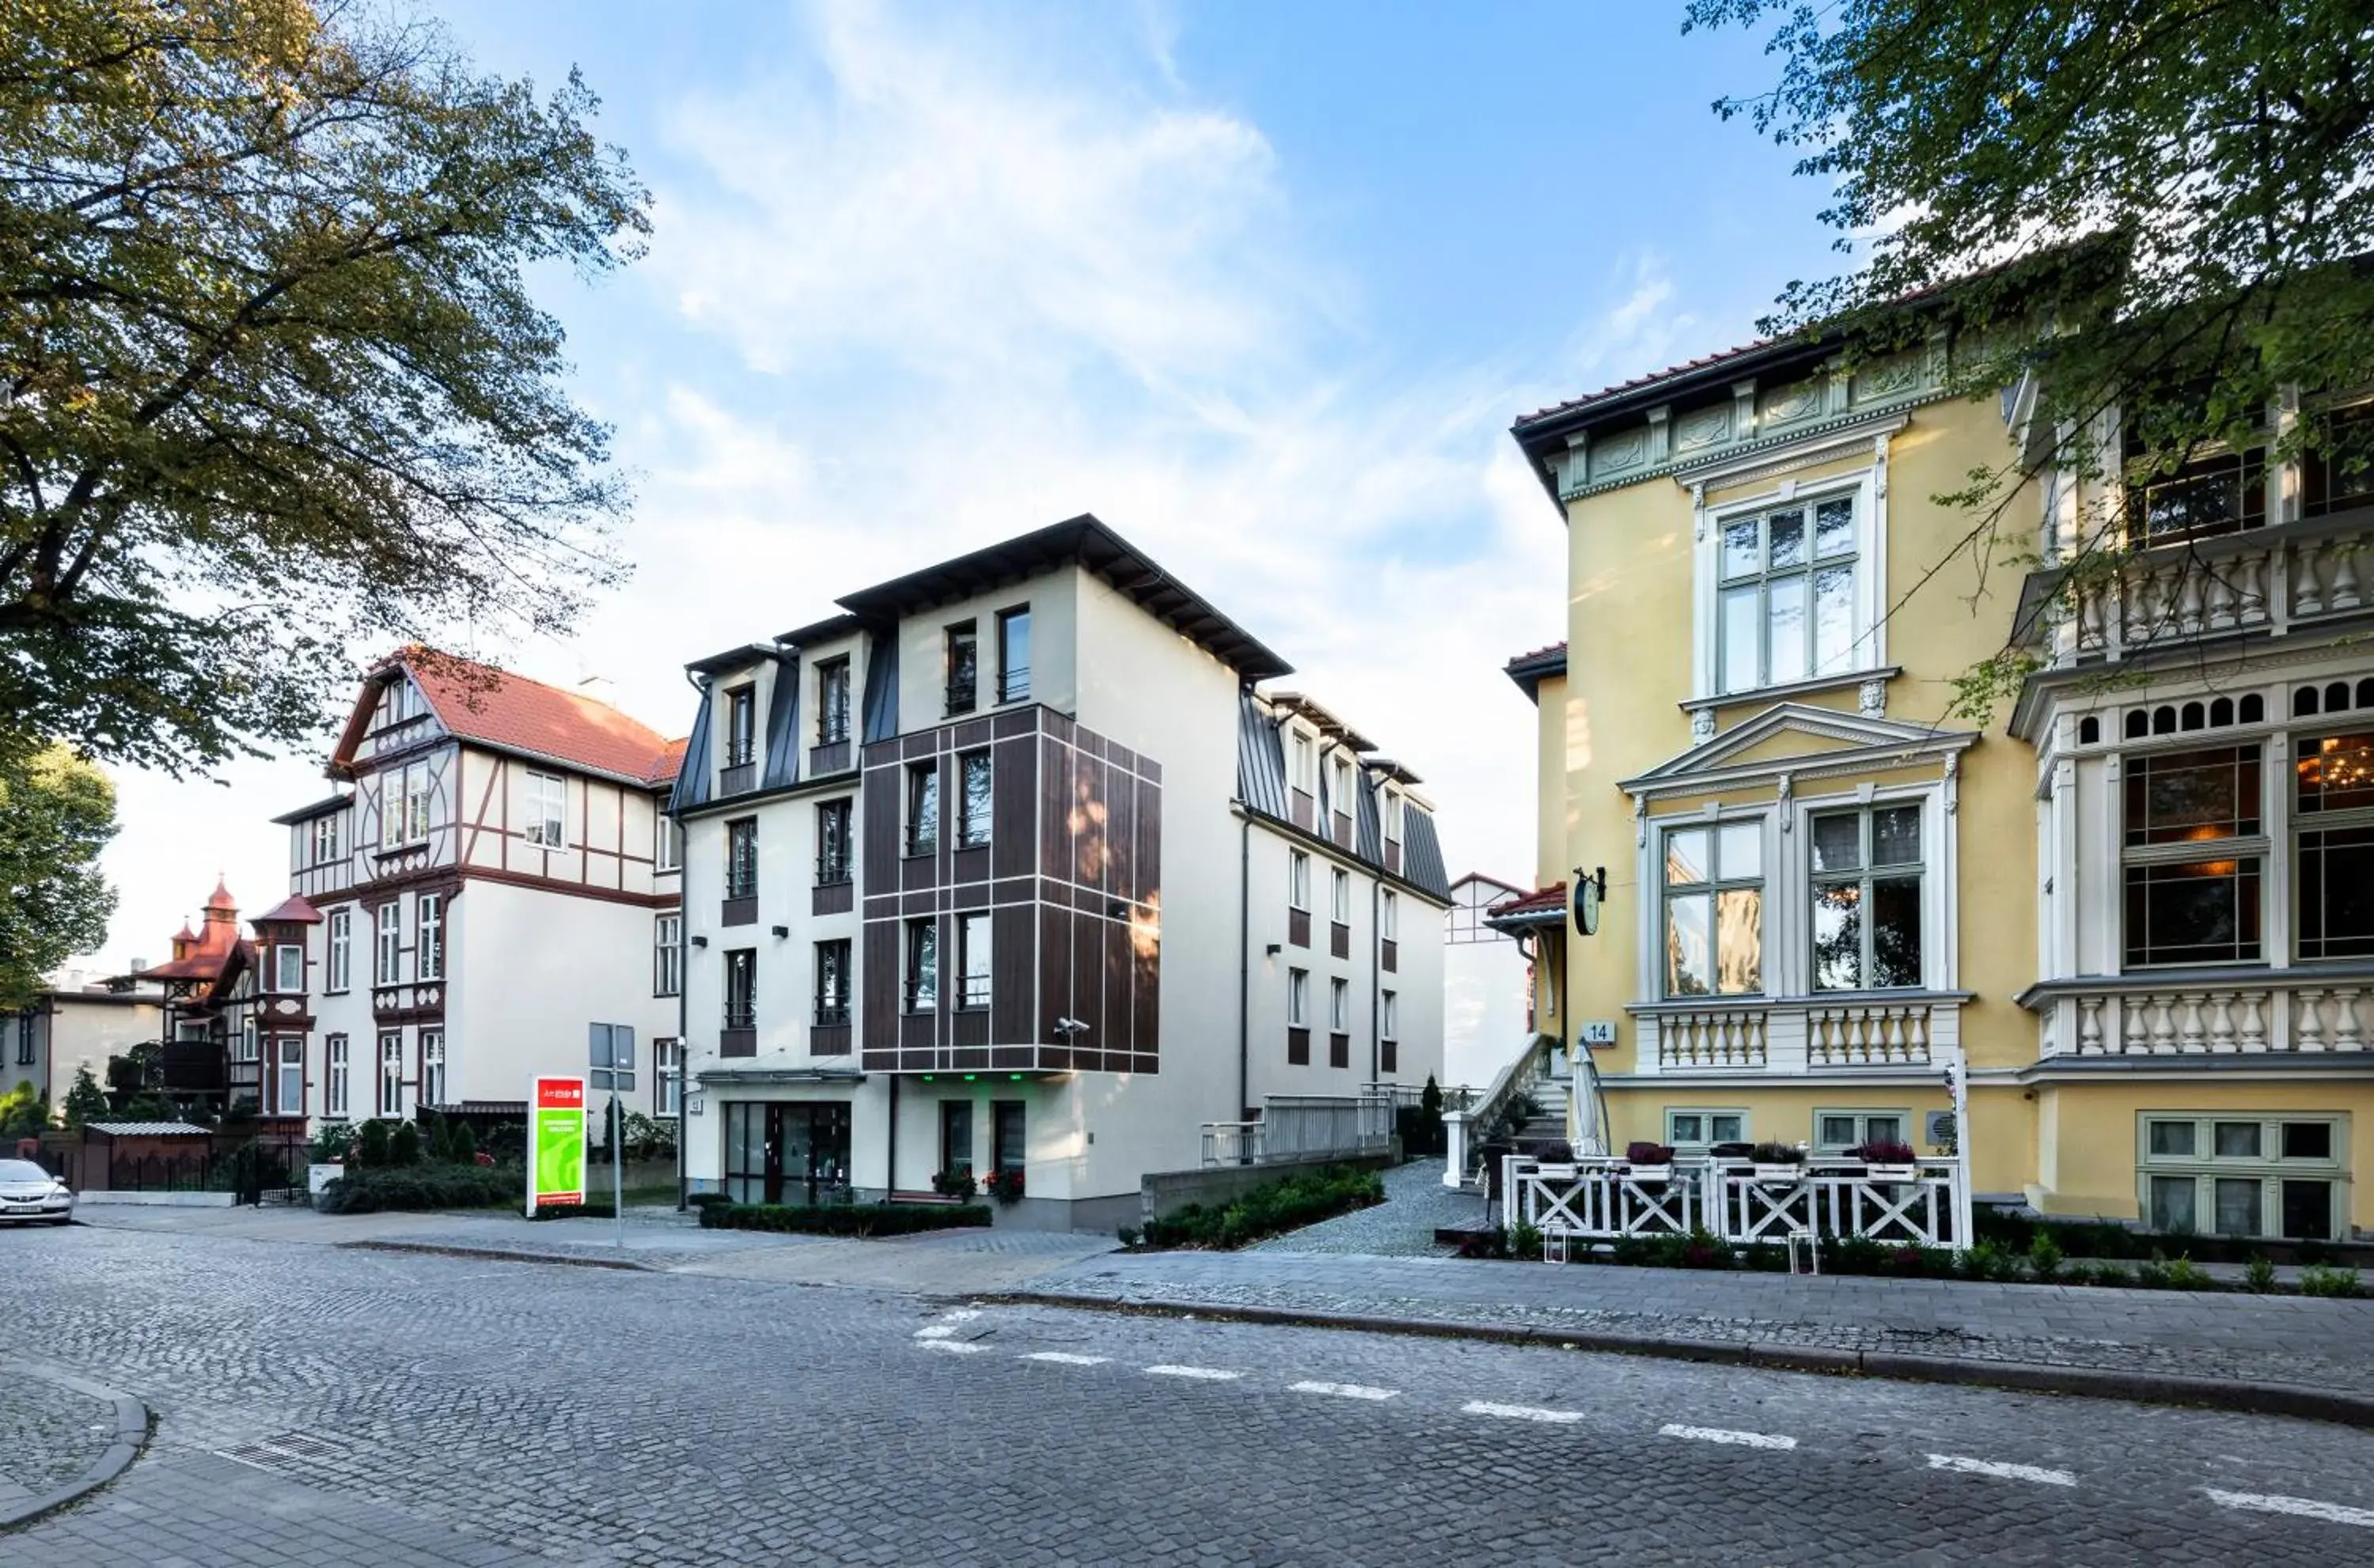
(2282,1354)
(62,1436)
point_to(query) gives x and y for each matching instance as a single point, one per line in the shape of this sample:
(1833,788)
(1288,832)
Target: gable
(1790,738)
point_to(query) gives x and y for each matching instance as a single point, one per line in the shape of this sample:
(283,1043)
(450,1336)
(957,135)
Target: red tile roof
(1556,649)
(479,702)
(294,909)
(1541,900)
(1653,377)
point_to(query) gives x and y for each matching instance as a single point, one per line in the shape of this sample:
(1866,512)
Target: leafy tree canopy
(271,381)
(57,810)
(2192,174)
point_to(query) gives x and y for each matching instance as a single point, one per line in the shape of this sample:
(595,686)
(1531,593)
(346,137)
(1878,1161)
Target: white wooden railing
(2264,579)
(1737,1202)
(1463,1129)
(1232,1143)
(1801,1034)
(2241,1015)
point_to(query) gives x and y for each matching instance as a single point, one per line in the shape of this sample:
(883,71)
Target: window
(1298,879)
(1393,816)
(835,847)
(1786,599)
(334,1097)
(2222,492)
(922,966)
(1703,1130)
(964,667)
(548,810)
(1835,1132)
(1714,909)
(1298,997)
(972,961)
(390,970)
(2341,477)
(742,858)
(399,702)
(243,1048)
(432,1067)
(430,942)
(742,988)
(2192,856)
(325,840)
(1339,1005)
(25,1040)
(2242,1174)
(418,793)
(1340,796)
(1013,654)
(287,967)
(741,726)
(390,1074)
(1389,1016)
(832,982)
(973,832)
(288,1093)
(1339,905)
(832,702)
(668,1077)
(1008,1150)
(922,808)
(1305,776)
(667,954)
(2333,844)
(1390,921)
(956,1136)
(667,842)
(342,950)
(1867,898)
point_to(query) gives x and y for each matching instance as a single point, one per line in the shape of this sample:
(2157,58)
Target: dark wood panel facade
(1071,881)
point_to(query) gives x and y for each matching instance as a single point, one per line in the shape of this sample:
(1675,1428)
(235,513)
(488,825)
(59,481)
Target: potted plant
(958,1185)
(1885,1159)
(1777,1162)
(1650,1162)
(1555,1159)
(1005,1186)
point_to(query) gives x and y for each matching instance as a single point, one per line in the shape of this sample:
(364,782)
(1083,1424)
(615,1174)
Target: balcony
(1862,1032)
(1014,684)
(2254,1014)
(835,756)
(739,774)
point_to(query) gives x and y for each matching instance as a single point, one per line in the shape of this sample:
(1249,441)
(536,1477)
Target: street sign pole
(618,1171)
(610,1049)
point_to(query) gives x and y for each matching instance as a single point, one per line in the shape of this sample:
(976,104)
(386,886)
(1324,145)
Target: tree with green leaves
(272,381)
(86,1101)
(2156,215)
(57,812)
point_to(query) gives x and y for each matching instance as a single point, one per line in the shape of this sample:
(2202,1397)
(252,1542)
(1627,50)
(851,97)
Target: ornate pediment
(1798,740)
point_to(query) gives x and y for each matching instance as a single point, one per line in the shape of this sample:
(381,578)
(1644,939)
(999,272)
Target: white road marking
(1721,1434)
(954,1347)
(1208,1373)
(1518,1412)
(1996,1467)
(1344,1390)
(1066,1358)
(937,1331)
(960,1315)
(2305,1507)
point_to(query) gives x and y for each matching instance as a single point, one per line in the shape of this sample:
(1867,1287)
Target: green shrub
(1985,1261)
(2184,1274)
(2319,1280)
(708,1199)
(333,1142)
(1853,1254)
(461,1144)
(371,1145)
(370,1189)
(2044,1256)
(843,1219)
(1286,1204)
(2152,1274)
(1525,1241)
(403,1145)
(2102,1274)
(2261,1275)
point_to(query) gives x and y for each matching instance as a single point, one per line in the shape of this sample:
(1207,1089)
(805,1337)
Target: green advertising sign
(555,1165)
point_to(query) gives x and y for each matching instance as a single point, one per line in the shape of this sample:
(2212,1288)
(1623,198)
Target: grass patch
(843,1219)
(1286,1204)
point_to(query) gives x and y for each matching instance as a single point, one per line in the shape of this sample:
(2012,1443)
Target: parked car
(29,1192)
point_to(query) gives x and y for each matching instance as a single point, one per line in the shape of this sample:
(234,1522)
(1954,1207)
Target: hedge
(845,1219)
(369,1190)
(1286,1204)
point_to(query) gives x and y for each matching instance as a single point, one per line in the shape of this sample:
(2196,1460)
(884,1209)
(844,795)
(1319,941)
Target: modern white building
(1486,984)
(1009,867)
(493,873)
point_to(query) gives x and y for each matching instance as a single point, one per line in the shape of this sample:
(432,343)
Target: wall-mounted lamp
(700,942)
(1273,950)
(781,930)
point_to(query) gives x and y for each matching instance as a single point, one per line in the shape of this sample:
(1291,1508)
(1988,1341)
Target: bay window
(334,1094)
(390,969)
(2333,844)
(432,1067)
(1785,595)
(1714,909)
(2192,852)
(1866,877)
(430,959)
(342,946)
(390,1074)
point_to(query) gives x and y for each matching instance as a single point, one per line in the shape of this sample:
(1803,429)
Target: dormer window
(1304,771)
(741,726)
(399,702)
(832,702)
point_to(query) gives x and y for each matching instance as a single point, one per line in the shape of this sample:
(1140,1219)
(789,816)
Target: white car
(29,1192)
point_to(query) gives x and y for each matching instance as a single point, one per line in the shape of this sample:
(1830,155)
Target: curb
(498,1254)
(2036,1377)
(131,1436)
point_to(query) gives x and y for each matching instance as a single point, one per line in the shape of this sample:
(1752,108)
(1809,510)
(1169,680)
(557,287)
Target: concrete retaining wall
(1167,1192)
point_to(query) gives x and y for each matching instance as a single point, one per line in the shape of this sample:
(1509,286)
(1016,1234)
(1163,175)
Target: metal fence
(251,1170)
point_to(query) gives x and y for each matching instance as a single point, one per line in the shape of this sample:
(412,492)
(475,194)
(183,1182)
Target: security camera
(1070,1027)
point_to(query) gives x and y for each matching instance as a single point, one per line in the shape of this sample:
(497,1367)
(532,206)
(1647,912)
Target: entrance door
(786,1154)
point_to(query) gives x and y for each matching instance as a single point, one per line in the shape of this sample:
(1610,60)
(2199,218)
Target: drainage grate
(288,1450)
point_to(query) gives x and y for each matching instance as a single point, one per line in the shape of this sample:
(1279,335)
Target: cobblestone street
(317,1405)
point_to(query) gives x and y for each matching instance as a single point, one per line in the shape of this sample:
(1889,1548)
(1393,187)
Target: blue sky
(1262,285)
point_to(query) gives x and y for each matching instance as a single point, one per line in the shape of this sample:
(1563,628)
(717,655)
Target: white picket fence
(1735,1201)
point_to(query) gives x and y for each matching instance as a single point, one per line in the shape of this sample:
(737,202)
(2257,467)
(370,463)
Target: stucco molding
(1865,744)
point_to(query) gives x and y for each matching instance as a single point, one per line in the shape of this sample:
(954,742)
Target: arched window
(2254,708)
(2221,712)
(2138,724)
(2194,716)
(2164,719)
(2089,730)
(2304,700)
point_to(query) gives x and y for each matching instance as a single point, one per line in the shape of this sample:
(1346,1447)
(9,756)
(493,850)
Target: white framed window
(1787,588)
(1700,1130)
(287,968)
(548,810)
(1835,1131)
(1393,815)
(1340,797)
(1866,929)
(1303,763)
(1715,908)
(429,959)
(1340,900)
(1298,879)
(922,966)
(326,839)
(388,969)
(667,954)
(1390,918)
(668,843)
(419,802)
(288,1090)
(668,1077)
(391,810)
(333,1093)
(972,961)
(2332,845)
(1339,1006)
(390,1073)
(972,827)
(1298,997)
(244,1049)
(1389,1013)
(432,1067)
(342,950)
(2192,856)
(2243,1172)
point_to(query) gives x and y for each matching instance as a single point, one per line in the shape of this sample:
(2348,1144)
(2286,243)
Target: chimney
(601,688)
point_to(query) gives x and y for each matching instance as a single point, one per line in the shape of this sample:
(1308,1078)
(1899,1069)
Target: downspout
(684,1007)
(1376,982)
(890,1150)
(1244,959)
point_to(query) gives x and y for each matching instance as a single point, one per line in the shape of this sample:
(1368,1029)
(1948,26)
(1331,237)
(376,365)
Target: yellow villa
(2133,913)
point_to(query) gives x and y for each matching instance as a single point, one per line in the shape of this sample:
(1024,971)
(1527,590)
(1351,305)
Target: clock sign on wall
(1588,892)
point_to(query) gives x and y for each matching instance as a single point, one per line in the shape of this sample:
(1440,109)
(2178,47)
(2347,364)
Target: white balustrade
(1710,1038)
(2260,578)
(1611,1200)
(2241,1017)
(1868,1035)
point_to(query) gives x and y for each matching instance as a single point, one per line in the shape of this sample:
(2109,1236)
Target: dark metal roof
(1084,542)
(733,658)
(1422,853)
(1530,670)
(318,807)
(830,629)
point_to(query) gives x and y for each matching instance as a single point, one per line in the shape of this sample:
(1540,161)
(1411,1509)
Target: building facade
(493,875)
(1487,983)
(71,1026)
(2132,915)
(1009,867)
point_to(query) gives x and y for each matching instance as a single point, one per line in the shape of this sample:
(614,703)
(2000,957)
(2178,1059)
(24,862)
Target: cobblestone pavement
(320,1406)
(2314,1343)
(1415,1205)
(49,1434)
